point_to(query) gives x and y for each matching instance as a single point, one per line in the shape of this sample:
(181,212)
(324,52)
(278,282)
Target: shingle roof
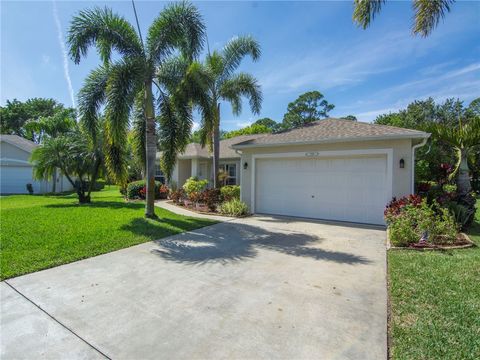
(19,141)
(195,150)
(332,130)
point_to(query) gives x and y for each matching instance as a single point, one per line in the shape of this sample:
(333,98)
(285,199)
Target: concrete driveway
(259,287)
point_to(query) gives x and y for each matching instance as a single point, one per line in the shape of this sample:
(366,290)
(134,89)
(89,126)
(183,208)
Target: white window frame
(324,154)
(223,167)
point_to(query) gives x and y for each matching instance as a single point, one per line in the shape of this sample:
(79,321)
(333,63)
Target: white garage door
(14,180)
(345,189)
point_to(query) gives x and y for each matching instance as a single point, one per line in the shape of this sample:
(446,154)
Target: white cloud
(61,41)
(348,65)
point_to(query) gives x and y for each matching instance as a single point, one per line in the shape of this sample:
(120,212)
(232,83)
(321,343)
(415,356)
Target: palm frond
(139,131)
(365,11)
(104,29)
(428,14)
(236,49)
(246,85)
(171,72)
(179,26)
(91,97)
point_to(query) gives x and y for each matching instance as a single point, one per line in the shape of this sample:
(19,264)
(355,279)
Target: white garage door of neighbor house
(14,180)
(346,189)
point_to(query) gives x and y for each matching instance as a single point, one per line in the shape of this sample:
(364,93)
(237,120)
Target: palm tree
(118,83)
(428,13)
(215,81)
(464,138)
(75,155)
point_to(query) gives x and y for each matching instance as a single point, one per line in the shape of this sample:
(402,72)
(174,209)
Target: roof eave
(334,140)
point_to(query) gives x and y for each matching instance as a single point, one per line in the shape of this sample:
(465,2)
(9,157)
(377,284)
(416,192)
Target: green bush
(407,226)
(137,189)
(193,187)
(230,192)
(99,185)
(234,207)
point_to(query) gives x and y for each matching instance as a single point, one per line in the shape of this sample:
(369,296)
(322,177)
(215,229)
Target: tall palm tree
(132,75)
(215,80)
(464,138)
(428,13)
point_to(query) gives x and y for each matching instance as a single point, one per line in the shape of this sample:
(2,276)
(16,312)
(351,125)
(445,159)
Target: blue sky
(305,46)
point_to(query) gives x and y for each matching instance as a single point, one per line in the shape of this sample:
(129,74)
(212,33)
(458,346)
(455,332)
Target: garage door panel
(346,189)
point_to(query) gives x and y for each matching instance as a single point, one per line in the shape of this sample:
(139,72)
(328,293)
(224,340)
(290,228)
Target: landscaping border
(435,247)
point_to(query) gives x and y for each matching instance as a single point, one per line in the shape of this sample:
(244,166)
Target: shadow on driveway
(234,242)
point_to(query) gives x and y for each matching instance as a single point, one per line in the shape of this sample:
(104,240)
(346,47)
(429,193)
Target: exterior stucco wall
(9,151)
(402,149)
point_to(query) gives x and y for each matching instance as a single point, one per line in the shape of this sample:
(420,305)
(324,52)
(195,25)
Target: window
(230,171)
(159,174)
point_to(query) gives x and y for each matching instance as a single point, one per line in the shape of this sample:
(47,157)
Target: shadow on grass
(228,242)
(100,204)
(155,229)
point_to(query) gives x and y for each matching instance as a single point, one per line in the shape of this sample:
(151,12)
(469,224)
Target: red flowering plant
(143,192)
(162,192)
(396,206)
(445,171)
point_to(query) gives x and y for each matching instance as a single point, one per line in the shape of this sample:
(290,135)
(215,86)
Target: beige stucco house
(330,169)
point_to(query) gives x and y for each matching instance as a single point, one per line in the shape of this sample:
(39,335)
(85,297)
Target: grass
(435,302)
(39,232)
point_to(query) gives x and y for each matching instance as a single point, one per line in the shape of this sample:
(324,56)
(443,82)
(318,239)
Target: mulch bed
(202,209)
(462,242)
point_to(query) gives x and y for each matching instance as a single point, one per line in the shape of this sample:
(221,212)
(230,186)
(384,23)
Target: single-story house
(330,169)
(197,162)
(16,171)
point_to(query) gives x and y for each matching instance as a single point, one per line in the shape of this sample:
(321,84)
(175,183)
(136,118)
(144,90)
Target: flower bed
(424,223)
(195,196)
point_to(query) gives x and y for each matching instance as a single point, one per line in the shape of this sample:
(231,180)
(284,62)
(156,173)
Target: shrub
(461,213)
(30,188)
(177,196)
(138,189)
(211,197)
(234,207)
(194,187)
(395,207)
(230,192)
(408,222)
(99,185)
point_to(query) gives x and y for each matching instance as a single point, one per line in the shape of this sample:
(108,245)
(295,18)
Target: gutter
(415,147)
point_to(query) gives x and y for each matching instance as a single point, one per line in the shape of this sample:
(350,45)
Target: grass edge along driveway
(435,302)
(43,231)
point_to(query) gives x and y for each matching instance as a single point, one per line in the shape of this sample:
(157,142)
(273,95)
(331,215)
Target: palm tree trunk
(463,178)
(216,147)
(151,151)
(54,180)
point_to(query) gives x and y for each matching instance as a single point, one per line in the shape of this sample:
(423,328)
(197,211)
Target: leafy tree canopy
(308,107)
(421,115)
(349,117)
(16,114)
(248,130)
(269,123)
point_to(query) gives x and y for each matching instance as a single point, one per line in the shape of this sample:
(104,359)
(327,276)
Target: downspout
(415,147)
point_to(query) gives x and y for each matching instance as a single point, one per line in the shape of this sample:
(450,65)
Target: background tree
(269,123)
(178,30)
(349,117)
(308,107)
(16,114)
(427,13)
(215,80)
(248,130)
(421,115)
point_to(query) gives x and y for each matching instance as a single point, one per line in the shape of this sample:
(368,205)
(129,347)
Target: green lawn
(39,232)
(435,302)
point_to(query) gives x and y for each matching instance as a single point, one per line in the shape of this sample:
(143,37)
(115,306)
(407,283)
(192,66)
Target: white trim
(415,147)
(321,154)
(421,135)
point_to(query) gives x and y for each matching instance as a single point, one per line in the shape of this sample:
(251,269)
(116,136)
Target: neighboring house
(330,169)
(16,171)
(197,161)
